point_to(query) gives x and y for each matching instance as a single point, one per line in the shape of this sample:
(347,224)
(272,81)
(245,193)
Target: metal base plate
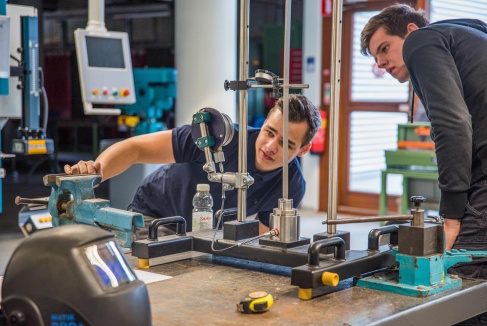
(388,281)
(285,245)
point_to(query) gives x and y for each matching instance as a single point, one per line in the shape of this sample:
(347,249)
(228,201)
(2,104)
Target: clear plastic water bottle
(202,208)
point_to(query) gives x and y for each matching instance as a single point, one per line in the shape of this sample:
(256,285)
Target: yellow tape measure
(258,301)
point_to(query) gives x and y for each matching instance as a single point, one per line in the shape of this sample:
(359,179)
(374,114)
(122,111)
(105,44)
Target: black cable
(46,101)
(14,58)
(412,108)
(221,210)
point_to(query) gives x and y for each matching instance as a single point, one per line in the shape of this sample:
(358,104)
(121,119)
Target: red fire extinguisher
(318,143)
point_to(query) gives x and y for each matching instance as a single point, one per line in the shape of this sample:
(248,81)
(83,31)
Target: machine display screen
(108,264)
(104,52)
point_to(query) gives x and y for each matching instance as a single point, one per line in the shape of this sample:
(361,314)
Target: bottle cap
(203,187)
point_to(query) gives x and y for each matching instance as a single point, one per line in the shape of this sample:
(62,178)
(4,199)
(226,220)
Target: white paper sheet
(148,277)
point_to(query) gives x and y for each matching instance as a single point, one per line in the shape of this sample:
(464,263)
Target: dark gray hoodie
(447,62)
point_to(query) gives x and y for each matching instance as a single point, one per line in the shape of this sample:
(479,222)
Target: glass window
(371,133)
(367,78)
(450,9)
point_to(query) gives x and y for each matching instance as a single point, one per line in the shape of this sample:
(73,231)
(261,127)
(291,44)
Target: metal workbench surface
(205,289)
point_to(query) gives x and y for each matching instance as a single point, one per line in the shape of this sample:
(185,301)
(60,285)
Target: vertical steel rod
(243,119)
(285,99)
(96,15)
(334,112)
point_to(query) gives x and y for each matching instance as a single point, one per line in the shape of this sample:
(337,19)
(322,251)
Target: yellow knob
(330,279)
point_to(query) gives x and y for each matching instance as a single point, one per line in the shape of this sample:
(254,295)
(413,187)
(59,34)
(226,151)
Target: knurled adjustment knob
(417,200)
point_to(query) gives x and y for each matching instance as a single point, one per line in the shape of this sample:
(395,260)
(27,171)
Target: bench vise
(72,201)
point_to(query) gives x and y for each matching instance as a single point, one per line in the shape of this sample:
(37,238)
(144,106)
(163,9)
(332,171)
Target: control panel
(105,69)
(33,218)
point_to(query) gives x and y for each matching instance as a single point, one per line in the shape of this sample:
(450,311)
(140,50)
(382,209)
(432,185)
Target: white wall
(206,55)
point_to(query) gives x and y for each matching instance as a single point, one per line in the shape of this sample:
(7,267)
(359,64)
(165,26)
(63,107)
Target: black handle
(374,235)
(314,249)
(178,220)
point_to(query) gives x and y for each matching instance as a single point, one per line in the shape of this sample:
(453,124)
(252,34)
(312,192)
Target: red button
(125,92)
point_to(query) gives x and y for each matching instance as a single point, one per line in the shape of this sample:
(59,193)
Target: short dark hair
(301,109)
(395,20)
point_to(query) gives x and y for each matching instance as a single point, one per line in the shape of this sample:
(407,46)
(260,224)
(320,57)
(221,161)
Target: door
(372,103)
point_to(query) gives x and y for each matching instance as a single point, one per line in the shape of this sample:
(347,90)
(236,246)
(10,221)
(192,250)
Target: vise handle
(39,201)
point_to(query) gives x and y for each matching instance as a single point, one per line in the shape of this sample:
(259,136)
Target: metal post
(334,112)
(285,93)
(242,135)
(96,15)
(30,57)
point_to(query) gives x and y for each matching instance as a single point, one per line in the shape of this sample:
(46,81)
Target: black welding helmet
(73,275)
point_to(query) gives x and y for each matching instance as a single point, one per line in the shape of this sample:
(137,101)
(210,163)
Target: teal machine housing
(155,90)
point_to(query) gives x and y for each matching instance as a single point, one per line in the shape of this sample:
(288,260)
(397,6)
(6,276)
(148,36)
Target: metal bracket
(235,180)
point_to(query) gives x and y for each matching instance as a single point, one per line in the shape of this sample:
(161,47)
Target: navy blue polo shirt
(169,190)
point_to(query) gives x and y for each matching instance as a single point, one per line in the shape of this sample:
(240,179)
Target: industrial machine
(33,218)
(104,64)
(421,267)
(21,81)
(155,90)
(73,201)
(72,275)
(23,97)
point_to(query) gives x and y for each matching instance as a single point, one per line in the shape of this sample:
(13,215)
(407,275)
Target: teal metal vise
(423,262)
(155,90)
(73,201)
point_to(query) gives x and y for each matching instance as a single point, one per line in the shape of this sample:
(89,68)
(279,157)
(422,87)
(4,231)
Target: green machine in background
(155,90)
(415,160)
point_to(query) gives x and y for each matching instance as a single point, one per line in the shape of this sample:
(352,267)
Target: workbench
(204,290)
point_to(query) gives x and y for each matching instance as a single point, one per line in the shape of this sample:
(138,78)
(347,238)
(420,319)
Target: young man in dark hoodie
(446,62)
